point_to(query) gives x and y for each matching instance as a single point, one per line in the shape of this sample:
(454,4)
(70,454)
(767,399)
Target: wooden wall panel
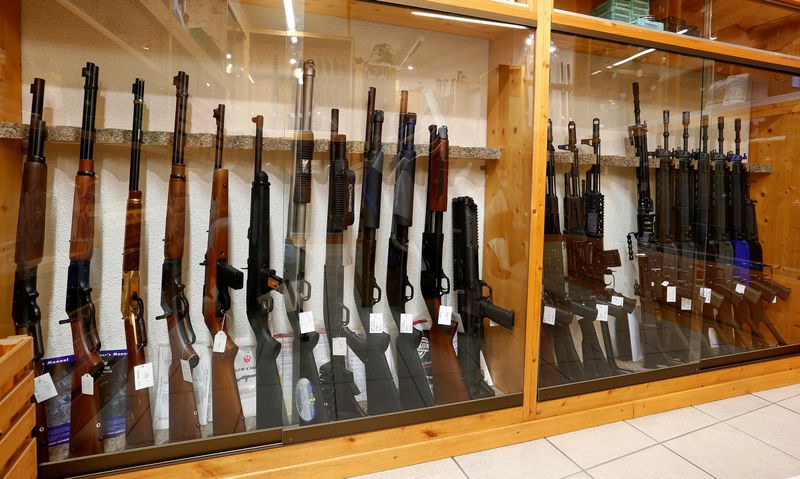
(10,110)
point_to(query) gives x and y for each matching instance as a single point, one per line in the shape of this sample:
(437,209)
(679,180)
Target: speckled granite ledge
(632,161)
(115,136)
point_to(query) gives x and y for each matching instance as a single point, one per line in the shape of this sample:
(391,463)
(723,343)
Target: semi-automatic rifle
(261,281)
(138,418)
(219,278)
(85,429)
(382,396)
(183,419)
(448,382)
(413,385)
(473,305)
(307,399)
(560,358)
(339,390)
(30,248)
(648,285)
(595,363)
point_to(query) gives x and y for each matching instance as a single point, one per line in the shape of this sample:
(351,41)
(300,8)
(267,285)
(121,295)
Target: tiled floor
(751,436)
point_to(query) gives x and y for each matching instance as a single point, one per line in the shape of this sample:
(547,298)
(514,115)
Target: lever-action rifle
(382,396)
(30,248)
(219,278)
(261,281)
(338,387)
(138,420)
(183,420)
(448,383)
(307,403)
(85,430)
(473,305)
(413,385)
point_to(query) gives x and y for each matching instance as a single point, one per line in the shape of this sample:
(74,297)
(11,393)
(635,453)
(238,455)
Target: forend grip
(499,315)
(438,169)
(133,232)
(341,188)
(304,150)
(30,226)
(404,187)
(371,194)
(82,236)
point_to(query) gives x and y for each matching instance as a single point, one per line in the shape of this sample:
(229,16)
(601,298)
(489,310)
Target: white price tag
(44,388)
(143,376)
(705,293)
(306,322)
(665,283)
(221,338)
(617,301)
(686,304)
(775,300)
(549,316)
(87,385)
(186,370)
(445,315)
(375,323)
(339,346)
(602,312)
(672,294)
(407,322)
(713,339)
(740,288)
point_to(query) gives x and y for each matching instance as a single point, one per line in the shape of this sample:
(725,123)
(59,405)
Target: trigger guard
(305,294)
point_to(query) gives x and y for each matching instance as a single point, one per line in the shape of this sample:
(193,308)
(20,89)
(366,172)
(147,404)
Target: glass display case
(365,260)
(663,254)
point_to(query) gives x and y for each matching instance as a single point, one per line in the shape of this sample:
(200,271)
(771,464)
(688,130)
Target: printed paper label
(407,322)
(665,283)
(375,323)
(220,339)
(87,384)
(740,288)
(143,376)
(705,293)
(445,315)
(44,388)
(186,370)
(549,316)
(686,304)
(617,301)
(306,322)
(672,294)
(339,346)
(602,312)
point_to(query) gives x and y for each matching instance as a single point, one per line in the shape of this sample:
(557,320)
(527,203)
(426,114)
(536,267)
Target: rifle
(296,290)
(30,248)
(338,387)
(219,277)
(413,385)
(557,343)
(595,363)
(382,394)
(448,383)
(183,420)
(139,421)
(648,259)
(85,430)
(261,281)
(473,305)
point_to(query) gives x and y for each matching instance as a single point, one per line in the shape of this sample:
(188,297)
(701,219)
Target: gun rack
(632,161)
(118,136)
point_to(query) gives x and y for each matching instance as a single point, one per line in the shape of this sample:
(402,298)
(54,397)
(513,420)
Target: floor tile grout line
(459,466)
(738,415)
(564,454)
(764,442)
(586,470)
(689,460)
(787,408)
(779,400)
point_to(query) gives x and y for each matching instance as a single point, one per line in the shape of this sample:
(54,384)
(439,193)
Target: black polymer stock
(261,281)
(382,396)
(473,305)
(338,387)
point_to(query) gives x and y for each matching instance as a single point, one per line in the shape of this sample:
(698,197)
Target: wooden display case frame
(358,453)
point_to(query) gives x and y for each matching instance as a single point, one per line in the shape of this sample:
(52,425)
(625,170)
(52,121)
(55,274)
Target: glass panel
(767,25)
(374,261)
(646,259)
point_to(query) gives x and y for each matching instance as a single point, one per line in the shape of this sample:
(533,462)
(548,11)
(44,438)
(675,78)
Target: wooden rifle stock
(219,276)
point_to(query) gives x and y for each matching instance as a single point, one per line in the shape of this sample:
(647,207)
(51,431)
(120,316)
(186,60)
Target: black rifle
(382,394)
(339,390)
(595,363)
(560,361)
(413,385)
(473,305)
(30,248)
(648,285)
(261,281)
(307,404)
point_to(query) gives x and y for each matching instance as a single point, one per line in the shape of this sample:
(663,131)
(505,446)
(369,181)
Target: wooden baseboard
(381,450)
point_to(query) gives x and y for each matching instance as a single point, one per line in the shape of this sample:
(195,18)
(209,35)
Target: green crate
(647,23)
(617,17)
